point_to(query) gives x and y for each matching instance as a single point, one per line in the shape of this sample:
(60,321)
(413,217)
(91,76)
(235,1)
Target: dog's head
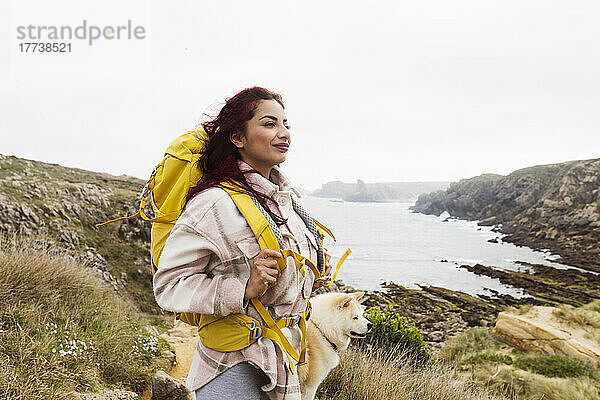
(352,323)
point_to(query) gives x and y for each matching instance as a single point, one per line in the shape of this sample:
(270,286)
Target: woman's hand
(263,274)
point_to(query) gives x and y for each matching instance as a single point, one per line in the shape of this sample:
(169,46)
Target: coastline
(441,313)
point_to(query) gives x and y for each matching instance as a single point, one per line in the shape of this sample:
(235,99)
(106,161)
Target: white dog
(335,318)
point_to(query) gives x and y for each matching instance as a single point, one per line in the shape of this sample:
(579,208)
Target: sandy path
(183,339)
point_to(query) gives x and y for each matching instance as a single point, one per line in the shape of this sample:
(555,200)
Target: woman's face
(267,137)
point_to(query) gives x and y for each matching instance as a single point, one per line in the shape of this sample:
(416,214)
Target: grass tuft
(464,346)
(582,317)
(367,373)
(551,365)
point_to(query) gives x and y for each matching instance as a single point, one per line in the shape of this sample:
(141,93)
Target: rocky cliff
(554,206)
(62,205)
(377,192)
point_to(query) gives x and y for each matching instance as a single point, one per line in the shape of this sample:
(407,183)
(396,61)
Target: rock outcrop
(376,192)
(60,206)
(539,330)
(548,285)
(165,387)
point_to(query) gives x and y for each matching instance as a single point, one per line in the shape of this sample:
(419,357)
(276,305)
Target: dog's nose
(369,325)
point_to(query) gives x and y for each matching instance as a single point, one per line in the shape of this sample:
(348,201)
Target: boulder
(165,387)
(539,330)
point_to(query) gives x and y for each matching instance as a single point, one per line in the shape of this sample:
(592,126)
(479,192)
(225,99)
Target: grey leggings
(242,381)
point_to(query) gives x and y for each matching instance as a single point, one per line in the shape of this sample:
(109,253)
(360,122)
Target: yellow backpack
(167,188)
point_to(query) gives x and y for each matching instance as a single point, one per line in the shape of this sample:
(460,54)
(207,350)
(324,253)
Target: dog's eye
(355,318)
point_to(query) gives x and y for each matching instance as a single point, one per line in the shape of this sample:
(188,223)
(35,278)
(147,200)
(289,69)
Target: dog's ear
(345,302)
(358,295)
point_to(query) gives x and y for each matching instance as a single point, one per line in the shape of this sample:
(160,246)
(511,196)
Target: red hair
(219,161)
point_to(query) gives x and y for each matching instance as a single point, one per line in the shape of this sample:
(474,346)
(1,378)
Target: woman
(213,264)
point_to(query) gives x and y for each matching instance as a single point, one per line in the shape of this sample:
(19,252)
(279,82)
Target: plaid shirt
(205,265)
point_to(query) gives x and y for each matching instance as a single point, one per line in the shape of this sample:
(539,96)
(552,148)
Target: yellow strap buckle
(255,330)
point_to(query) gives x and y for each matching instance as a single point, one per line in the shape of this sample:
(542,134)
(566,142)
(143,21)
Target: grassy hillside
(61,331)
(62,205)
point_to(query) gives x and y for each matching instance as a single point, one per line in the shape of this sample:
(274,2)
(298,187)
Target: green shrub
(551,366)
(391,330)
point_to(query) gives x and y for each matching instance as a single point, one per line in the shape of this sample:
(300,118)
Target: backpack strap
(328,282)
(256,220)
(320,225)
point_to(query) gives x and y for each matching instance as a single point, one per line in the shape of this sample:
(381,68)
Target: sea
(390,243)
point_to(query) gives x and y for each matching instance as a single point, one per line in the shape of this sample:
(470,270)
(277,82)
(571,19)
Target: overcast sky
(376,90)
